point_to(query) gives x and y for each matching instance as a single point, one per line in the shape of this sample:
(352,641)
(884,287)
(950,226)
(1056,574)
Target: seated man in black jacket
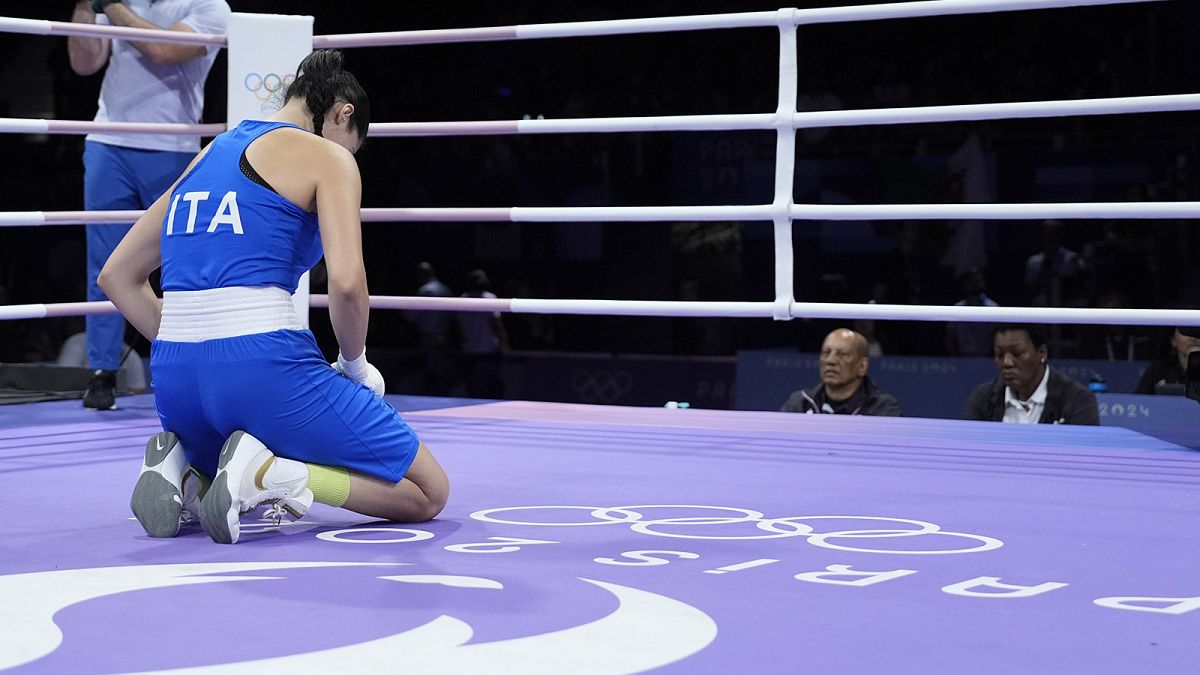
(1028,390)
(845,388)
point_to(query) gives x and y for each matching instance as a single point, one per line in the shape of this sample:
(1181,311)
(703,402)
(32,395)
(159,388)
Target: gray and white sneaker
(167,493)
(249,475)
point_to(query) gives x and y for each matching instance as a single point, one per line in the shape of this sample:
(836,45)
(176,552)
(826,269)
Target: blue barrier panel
(1171,418)
(1122,376)
(926,386)
(939,387)
(701,382)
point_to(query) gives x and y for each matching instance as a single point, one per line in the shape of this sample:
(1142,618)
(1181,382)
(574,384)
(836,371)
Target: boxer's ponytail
(322,81)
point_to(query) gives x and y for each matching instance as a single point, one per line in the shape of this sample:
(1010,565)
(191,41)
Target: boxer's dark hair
(1036,332)
(322,81)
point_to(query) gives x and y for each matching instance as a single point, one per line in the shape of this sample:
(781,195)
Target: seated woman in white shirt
(1028,390)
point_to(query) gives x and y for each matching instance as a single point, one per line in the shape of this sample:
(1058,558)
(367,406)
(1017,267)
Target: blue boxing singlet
(223,229)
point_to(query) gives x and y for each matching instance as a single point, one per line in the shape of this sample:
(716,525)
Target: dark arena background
(626,495)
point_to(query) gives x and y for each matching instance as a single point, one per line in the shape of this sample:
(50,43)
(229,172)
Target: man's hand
(88,55)
(160,53)
(99,5)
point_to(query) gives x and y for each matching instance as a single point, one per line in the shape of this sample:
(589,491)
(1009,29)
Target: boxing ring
(601,539)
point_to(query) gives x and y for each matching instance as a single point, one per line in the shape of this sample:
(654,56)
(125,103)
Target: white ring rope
(69,28)
(928,8)
(667,308)
(42,311)
(800,120)
(12,125)
(744,122)
(798,17)
(612,214)
(784,121)
(814,310)
(577,29)
(901,10)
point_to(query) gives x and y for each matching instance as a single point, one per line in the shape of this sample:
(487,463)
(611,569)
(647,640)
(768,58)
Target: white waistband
(196,316)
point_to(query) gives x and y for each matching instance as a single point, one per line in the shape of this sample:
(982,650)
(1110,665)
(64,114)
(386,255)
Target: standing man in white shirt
(145,82)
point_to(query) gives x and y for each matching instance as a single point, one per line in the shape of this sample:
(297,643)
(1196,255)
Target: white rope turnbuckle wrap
(781,212)
(785,165)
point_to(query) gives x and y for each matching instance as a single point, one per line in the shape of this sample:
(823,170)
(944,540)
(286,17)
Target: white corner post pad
(264,50)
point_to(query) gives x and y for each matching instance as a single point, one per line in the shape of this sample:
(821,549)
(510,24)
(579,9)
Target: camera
(1191,386)
(1191,378)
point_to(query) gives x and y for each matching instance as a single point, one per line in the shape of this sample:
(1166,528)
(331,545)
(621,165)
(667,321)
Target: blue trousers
(118,179)
(277,387)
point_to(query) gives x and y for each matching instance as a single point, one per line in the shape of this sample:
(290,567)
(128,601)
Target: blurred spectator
(482,332)
(1124,261)
(434,328)
(484,340)
(1028,390)
(845,388)
(891,91)
(1167,374)
(436,336)
(913,275)
(1114,342)
(1054,276)
(817,97)
(973,180)
(831,287)
(971,338)
(867,328)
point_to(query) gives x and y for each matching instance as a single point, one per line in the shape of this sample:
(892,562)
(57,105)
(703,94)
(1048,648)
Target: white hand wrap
(358,370)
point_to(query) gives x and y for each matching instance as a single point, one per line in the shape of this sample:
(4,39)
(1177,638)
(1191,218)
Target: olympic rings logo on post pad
(764,528)
(265,86)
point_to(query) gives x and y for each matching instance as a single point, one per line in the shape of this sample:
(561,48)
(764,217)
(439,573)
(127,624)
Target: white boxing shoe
(249,475)
(167,493)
